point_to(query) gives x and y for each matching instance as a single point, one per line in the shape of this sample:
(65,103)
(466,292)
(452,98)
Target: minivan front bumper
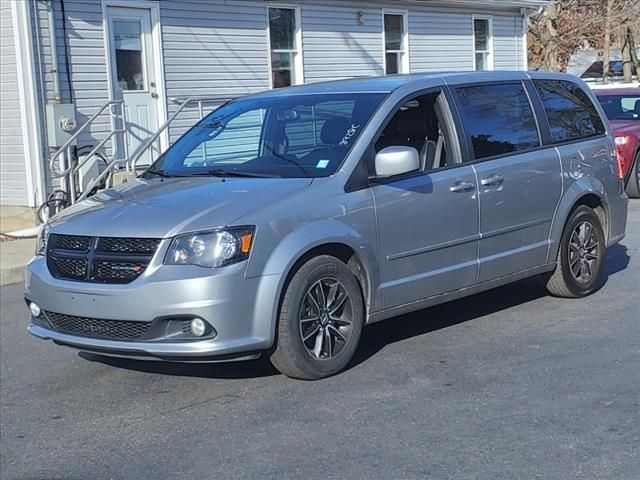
(238,308)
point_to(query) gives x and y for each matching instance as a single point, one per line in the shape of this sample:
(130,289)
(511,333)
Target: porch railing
(63,164)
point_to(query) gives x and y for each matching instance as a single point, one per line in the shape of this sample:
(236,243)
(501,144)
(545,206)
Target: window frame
(456,124)
(405,64)
(541,126)
(490,52)
(298,64)
(549,142)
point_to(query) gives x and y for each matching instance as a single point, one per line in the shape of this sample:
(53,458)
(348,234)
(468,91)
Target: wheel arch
(587,193)
(326,237)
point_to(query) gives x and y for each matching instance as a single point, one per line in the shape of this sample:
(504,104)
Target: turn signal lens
(245,242)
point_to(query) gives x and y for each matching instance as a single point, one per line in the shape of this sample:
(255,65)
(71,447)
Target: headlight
(211,249)
(43,237)
(622,140)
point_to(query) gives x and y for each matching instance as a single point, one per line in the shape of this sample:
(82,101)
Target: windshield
(621,107)
(293,136)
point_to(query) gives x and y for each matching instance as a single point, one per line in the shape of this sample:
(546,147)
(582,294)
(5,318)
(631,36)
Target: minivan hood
(159,208)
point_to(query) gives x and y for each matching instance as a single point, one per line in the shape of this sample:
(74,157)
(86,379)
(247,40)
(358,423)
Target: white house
(152,54)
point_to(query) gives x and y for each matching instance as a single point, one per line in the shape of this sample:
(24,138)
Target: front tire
(580,256)
(633,185)
(321,318)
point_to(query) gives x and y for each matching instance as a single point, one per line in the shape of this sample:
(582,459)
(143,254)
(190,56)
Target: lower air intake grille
(97,328)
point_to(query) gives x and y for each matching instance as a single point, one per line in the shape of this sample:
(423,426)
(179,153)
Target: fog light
(35,309)
(198,327)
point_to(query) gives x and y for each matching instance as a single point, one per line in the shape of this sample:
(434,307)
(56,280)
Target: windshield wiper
(221,172)
(159,173)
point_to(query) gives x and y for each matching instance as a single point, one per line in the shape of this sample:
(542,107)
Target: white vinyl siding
(212,47)
(13,174)
(440,41)
(507,43)
(336,46)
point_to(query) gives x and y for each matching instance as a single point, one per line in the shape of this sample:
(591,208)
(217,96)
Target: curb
(10,275)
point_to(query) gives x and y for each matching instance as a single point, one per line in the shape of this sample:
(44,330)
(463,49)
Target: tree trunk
(634,55)
(626,59)
(607,43)
(550,38)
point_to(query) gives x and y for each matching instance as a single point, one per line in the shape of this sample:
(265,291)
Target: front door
(133,76)
(428,221)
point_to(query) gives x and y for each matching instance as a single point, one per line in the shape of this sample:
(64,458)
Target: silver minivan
(284,222)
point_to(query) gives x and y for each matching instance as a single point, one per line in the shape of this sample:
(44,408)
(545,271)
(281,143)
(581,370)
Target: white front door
(133,76)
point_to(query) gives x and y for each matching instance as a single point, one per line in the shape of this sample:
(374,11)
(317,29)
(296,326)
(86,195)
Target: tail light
(620,165)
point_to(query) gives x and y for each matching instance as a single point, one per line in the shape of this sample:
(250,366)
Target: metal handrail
(184,102)
(65,152)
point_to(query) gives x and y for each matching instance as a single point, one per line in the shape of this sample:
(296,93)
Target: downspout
(54,52)
(527,13)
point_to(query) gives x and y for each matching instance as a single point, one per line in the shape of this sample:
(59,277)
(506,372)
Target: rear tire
(580,256)
(633,185)
(321,318)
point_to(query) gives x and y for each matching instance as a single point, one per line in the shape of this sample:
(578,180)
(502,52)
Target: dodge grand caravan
(284,222)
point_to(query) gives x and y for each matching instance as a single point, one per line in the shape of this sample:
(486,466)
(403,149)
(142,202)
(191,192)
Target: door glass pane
(393,63)
(481,33)
(498,118)
(282,28)
(127,36)
(393,32)
(570,112)
(282,69)
(481,62)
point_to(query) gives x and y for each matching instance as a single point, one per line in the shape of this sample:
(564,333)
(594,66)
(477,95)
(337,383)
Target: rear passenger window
(499,119)
(570,112)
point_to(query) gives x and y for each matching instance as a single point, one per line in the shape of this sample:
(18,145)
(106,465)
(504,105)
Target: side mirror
(396,160)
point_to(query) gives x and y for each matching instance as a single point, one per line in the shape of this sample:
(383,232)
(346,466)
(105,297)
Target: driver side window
(421,124)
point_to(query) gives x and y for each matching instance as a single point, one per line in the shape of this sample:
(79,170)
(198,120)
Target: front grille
(74,243)
(116,272)
(69,267)
(99,259)
(97,328)
(128,245)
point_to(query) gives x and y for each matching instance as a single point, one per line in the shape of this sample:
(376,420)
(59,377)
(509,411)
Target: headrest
(636,108)
(333,130)
(412,123)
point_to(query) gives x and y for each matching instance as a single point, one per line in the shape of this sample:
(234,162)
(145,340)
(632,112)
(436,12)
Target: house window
(396,58)
(483,42)
(284,40)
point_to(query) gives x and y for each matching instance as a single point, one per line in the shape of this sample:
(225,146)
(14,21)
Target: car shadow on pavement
(228,370)
(376,337)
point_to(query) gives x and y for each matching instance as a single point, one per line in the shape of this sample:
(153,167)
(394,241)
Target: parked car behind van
(622,107)
(284,222)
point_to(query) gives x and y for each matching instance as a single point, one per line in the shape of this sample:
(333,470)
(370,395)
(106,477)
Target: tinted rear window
(570,112)
(499,119)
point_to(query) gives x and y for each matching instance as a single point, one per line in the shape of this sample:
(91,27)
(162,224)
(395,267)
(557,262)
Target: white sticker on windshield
(322,164)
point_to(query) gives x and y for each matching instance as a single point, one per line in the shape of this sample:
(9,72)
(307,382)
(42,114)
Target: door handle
(493,179)
(154,95)
(462,187)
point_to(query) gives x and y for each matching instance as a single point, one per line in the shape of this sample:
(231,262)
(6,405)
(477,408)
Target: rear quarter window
(570,112)
(499,119)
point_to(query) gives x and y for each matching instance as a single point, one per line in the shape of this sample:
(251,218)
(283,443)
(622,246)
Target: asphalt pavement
(508,384)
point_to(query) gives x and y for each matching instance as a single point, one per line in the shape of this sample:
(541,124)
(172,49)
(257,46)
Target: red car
(622,106)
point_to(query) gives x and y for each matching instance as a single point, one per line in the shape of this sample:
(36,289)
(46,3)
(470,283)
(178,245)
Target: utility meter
(61,123)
